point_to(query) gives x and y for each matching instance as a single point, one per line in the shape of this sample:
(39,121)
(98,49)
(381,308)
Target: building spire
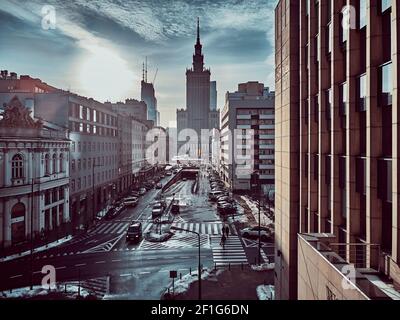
(198,30)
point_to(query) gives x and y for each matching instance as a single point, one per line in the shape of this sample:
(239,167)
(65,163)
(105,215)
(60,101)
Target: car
(131,201)
(175,208)
(158,210)
(135,194)
(252,232)
(134,232)
(175,171)
(184,179)
(212,196)
(168,173)
(113,212)
(142,191)
(158,186)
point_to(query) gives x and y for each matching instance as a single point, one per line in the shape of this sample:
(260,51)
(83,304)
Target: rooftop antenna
(146,70)
(143,71)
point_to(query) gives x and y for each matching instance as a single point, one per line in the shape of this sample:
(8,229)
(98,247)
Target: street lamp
(256,179)
(93,183)
(199,267)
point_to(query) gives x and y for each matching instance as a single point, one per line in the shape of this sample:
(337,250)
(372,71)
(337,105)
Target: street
(141,270)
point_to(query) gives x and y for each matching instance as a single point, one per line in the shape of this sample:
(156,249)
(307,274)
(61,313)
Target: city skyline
(237,39)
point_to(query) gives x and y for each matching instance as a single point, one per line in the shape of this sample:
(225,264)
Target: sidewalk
(236,284)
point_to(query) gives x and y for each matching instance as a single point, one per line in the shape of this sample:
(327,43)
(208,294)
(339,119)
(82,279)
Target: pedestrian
(223,239)
(227,230)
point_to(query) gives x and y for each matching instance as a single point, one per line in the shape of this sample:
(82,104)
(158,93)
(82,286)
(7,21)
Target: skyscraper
(337,150)
(197,114)
(148,96)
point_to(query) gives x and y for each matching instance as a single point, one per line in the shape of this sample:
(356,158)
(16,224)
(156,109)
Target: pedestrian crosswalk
(180,240)
(231,254)
(110,228)
(98,287)
(211,228)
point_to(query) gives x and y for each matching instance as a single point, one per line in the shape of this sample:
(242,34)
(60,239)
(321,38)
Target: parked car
(168,173)
(158,186)
(252,232)
(184,179)
(113,212)
(131,201)
(135,194)
(142,191)
(212,196)
(134,232)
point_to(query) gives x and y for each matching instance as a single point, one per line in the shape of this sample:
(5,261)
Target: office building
(337,150)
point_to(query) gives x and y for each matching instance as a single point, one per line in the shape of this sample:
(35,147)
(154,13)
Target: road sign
(173,274)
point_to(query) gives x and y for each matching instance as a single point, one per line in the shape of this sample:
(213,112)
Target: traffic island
(157,237)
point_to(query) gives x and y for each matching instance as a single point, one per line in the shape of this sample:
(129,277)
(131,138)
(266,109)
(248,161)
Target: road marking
(39,271)
(98,262)
(80,265)
(59,268)
(125,275)
(16,276)
(117,260)
(144,272)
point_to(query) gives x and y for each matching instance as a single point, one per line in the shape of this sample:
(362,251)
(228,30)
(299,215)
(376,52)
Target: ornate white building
(34,176)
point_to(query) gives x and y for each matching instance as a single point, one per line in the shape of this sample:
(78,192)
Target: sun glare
(104,75)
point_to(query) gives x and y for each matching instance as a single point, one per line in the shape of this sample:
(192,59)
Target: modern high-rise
(248,113)
(337,150)
(197,113)
(148,96)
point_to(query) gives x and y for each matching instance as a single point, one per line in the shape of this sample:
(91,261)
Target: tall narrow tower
(198,92)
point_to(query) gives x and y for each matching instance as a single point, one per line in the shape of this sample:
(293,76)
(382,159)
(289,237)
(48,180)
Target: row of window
(53,195)
(88,163)
(86,182)
(52,165)
(85,113)
(255,122)
(92,129)
(92,146)
(255,111)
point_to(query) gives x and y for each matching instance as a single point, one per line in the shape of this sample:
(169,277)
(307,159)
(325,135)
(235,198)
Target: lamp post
(199,266)
(93,183)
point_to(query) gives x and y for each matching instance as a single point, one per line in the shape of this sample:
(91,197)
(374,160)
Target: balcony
(340,271)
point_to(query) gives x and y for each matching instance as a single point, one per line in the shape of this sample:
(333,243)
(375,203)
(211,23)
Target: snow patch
(263,267)
(71,292)
(266,292)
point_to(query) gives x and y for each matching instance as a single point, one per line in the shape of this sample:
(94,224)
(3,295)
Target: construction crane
(155,76)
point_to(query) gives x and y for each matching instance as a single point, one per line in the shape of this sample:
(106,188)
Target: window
(385,85)
(79,147)
(79,183)
(329,37)
(61,162)
(17,166)
(55,195)
(47,197)
(362,93)
(73,146)
(73,165)
(47,164)
(361,176)
(385,5)
(329,101)
(73,185)
(363,14)
(81,127)
(61,193)
(79,164)
(81,112)
(55,169)
(343,99)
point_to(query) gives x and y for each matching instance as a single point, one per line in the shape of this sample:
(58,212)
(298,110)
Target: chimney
(4,74)
(13,76)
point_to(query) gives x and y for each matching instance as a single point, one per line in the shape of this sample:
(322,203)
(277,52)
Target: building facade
(247,134)
(34,171)
(131,107)
(213,95)
(337,148)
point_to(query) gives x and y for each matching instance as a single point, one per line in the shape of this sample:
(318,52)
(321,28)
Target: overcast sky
(97,47)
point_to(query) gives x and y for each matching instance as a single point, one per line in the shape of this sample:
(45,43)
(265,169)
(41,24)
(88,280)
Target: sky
(96,48)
